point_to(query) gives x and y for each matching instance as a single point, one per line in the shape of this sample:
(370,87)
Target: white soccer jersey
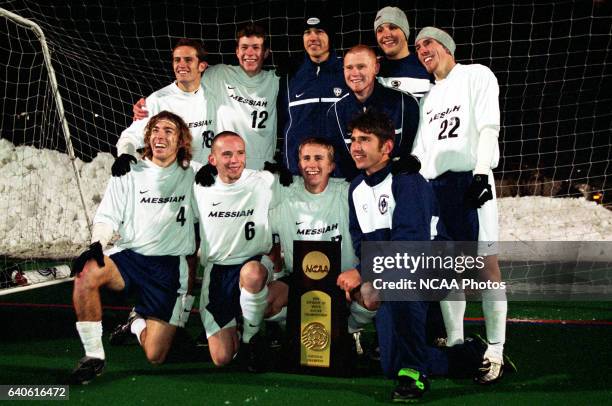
(152,208)
(247,106)
(452,115)
(417,87)
(304,216)
(234,217)
(194,108)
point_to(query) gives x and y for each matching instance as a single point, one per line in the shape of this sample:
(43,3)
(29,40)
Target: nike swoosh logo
(143,192)
(216,204)
(297,223)
(231,87)
(429,112)
(297,96)
(490,245)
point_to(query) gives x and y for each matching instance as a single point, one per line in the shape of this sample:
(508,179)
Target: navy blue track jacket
(402,109)
(303,99)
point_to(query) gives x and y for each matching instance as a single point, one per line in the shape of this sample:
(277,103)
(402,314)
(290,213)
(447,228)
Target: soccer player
(360,69)
(399,69)
(235,233)
(306,92)
(184,97)
(315,208)
(457,144)
(152,209)
(245,96)
(407,213)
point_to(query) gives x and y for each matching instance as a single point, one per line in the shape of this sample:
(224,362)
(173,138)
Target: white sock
(137,326)
(452,312)
(359,317)
(253,306)
(91,337)
(495,309)
(279,317)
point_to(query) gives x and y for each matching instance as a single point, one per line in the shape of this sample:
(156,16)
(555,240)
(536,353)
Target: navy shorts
(460,221)
(220,298)
(154,279)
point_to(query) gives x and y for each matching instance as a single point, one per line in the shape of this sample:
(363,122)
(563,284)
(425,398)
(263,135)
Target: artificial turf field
(558,363)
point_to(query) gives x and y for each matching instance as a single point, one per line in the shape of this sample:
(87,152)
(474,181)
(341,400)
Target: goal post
(57,98)
(40,172)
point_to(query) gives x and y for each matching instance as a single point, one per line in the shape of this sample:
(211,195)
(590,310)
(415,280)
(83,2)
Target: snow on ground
(41,213)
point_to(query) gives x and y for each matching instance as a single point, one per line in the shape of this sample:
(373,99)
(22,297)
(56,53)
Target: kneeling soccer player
(151,208)
(406,212)
(235,233)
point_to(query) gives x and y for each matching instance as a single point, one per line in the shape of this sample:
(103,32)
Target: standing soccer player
(184,97)
(305,93)
(244,96)
(457,144)
(235,233)
(360,69)
(151,207)
(399,69)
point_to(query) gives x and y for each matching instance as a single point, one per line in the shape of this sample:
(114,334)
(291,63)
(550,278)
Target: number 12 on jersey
(262,115)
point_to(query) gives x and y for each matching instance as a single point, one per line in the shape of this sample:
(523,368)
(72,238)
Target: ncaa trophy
(317,313)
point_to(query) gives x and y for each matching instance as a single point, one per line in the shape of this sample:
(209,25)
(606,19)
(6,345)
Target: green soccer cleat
(411,386)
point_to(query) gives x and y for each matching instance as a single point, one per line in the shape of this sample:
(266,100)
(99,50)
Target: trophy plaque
(317,312)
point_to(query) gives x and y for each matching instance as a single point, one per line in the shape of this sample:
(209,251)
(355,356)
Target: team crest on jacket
(337,91)
(395,84)
(383,204)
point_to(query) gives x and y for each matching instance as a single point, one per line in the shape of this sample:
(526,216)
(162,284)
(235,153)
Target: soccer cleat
(490,372)
(411,386)
(122,332)
(202,340)
(440,342)
(252,354)
(492,368)
(86,370)
(274,334)
(357,346)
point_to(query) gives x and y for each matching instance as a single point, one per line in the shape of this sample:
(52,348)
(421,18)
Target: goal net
(552,60)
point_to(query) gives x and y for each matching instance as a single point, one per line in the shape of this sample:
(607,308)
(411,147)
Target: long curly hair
(183,155)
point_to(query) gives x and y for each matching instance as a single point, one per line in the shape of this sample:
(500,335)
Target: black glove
(479,192)
(206,175)
(405,165)
(93,252)
(287,65)
(284,176)
(121,166)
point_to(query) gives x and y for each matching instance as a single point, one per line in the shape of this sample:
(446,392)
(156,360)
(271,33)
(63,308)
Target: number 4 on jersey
(180,217)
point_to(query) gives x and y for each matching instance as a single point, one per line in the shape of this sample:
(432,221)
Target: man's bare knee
(90,278)
(253,276)
(222,358)
(156,357)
